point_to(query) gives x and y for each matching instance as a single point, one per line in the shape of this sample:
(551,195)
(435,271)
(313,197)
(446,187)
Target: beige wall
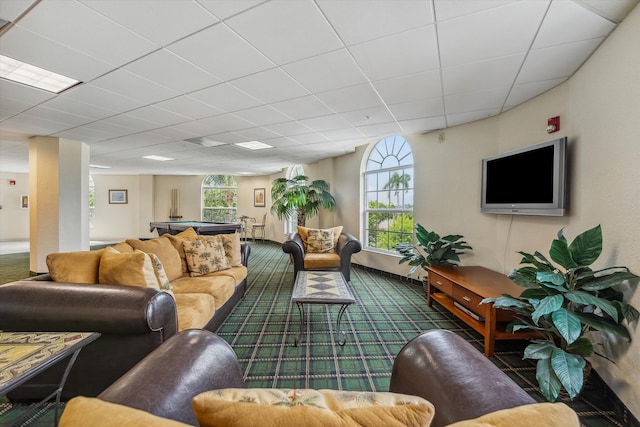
(14,221)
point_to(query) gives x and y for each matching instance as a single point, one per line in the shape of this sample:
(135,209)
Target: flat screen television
(528,181)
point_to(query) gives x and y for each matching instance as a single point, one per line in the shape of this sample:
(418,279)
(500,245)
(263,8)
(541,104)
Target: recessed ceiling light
(30,75)
(158,158)
(100,167)
(246,173)
(254,145)
(205,142)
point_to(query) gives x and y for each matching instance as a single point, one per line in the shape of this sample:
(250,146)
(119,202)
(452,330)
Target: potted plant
(562,304)
(431,250)
(294,197)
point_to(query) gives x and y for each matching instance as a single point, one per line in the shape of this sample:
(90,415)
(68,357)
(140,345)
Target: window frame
(210,213)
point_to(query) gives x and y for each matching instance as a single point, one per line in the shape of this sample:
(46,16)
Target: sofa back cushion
(131,269)
(177,240)
(162,247)
(74,267)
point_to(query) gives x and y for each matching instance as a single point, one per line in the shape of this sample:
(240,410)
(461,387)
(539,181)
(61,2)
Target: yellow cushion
(238,273)
(194,310)
(205,256)
(131,269)
(122,247)
(534,415)
(304,233)
(90,411)
(320,241)
(162,247)
(312,261)
(74,267)
(177,239)
(220,287)
(231,244)
(321,408)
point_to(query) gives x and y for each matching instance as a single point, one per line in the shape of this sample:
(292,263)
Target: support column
(59,198)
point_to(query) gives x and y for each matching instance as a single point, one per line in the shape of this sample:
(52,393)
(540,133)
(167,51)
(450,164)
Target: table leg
(343,308)
(299,335)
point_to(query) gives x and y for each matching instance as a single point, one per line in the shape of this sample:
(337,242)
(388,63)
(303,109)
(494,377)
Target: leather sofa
(438,365)
(346,246)
(132,321)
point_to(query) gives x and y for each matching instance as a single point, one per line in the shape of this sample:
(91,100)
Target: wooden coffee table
(321,287)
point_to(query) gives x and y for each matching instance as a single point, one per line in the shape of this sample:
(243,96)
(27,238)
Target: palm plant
(294,197)
(563,306)
(396,183)
(432,250)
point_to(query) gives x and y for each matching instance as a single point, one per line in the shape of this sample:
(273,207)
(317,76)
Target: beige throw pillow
(205,256)
(304,233)
(74,267)
(131,269)
(306,407)
(320,241)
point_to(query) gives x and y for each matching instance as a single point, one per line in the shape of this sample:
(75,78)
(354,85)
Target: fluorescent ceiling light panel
(30,75)
(254,145)
(205,142)
(158,158)
(100,167)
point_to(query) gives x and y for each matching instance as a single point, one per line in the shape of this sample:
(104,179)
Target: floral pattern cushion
(161,275)
(205,256)
(266,407)
(320,241)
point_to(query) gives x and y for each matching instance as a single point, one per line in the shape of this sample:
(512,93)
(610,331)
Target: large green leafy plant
(293,197)
(563,305)
(431,250)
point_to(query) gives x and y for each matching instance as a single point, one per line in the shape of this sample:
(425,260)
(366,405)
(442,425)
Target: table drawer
(468,299)
(440,283)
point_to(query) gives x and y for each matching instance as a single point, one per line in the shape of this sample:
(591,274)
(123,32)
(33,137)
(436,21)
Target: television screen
(529,181)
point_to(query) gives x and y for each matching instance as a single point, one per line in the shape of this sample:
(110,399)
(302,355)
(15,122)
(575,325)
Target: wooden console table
(461,289)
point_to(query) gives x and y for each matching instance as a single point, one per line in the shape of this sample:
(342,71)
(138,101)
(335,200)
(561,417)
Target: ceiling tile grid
(312,78)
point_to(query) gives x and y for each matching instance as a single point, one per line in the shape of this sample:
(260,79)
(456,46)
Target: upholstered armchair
(338,257)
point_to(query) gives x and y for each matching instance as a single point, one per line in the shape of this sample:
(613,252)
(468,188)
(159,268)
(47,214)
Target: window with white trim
(388,194)
(219,198)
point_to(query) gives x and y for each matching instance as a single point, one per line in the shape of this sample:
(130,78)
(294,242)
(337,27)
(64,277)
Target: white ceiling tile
(303,107)
(169,70)
(100,36)
(270,86)
(25,95)
(227,137)
(10,10)
(447,9)
(134,124)
(189,107)
(257,134)
(479,100)
(522,92)
(614,10)
(462,118)
(78,108)
(33,125)
(172,19)
(223,9)
(423,124)
(410,88)
(491,33)
(225,97)
(310,138)
(93,95)
(555,62)
(418,109)
(368,116)
(325,123)
(134,86)
(380,130)
(23,45)
(226,122)
(343,134)
(486,74)
(332,70)
(397,55)
(286,31)
(64,118)
(567,22)
(262,115)
(291,128)
(159,116)
(357,21)
(351,98)
(227,55)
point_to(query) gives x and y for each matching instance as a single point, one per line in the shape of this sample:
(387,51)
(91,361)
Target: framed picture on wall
(118,197)
(258,197)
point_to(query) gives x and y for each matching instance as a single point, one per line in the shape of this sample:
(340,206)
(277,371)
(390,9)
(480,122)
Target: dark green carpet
(387,314)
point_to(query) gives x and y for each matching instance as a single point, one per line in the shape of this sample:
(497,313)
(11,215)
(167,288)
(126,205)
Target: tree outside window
(389,194)
(219,198)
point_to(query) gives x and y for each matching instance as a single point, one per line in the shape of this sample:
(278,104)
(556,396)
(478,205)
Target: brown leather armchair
(347,245)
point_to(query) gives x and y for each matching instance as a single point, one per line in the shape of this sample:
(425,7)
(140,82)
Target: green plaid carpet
(388,312)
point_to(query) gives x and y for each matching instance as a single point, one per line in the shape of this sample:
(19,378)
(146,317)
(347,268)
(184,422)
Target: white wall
(14,221)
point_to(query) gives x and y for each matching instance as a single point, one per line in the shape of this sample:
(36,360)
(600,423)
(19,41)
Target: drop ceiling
(312,78)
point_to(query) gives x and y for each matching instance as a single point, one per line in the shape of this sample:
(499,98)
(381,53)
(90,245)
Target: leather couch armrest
(459,380)
(294,246)
(164,382)
(245,251)
(37,305)
(347,246)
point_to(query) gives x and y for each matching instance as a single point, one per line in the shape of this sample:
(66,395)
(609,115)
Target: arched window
(92,202)
(291,223)
(219,198)
(388,194)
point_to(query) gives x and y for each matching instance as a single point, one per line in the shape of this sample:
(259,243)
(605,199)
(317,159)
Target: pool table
(201,227)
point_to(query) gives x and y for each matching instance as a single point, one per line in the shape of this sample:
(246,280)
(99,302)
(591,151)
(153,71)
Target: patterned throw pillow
(298,407)
(205,256)
(320,241)
(161,275)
